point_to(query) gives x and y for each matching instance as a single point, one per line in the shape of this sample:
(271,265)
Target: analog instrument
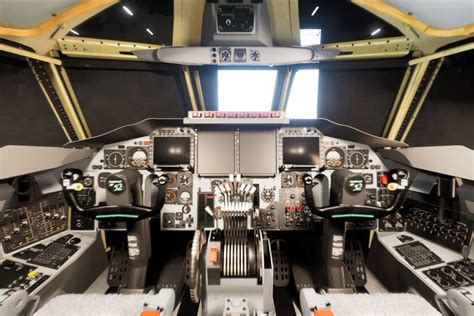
(335,157)
(185,197)
(137,157)
(170,197)
(268,195)
(171,179)
(357,159)
(101,179)
(114,159)
(288,180)
(184,180)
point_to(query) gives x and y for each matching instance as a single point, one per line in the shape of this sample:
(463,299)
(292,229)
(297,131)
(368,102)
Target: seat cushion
(105,305)
(372,304)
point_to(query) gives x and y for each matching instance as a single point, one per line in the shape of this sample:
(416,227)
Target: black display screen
(301,151)
(171,151)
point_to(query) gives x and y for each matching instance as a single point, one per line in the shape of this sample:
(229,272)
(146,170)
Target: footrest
(281,264)
(355,263)
(118,267)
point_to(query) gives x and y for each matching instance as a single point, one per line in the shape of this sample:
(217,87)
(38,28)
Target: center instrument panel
(197,159)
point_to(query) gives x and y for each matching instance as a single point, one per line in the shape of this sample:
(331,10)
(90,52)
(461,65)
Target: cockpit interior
(236,157)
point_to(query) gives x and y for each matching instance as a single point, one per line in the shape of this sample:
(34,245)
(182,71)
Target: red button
(383,180)
(298,208)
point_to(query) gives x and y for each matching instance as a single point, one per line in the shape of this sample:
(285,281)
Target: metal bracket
(101,48)
(375,48)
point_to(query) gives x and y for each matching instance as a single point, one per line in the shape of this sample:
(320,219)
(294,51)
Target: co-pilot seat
(125,201)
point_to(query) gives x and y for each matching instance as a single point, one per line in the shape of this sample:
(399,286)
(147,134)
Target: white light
(246,90)
(309,37)
(315,10)
(303,100)
(149,31)
(375,32)
(74,32)
(127,10)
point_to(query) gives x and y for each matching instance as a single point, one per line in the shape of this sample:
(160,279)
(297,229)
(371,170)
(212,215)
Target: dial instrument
(357,158)
(288,180)
(335,157)
(171,179)
(184,180)
(185,197)
(114,159)
(137,157)
(268,195)
(170,197)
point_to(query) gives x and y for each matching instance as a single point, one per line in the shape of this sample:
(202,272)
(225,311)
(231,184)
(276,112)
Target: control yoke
(354,212)
(123,196)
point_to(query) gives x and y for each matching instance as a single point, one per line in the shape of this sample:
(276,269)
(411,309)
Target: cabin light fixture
(129,12)
(375,32)
(315,10)
(149,31)
(74,32)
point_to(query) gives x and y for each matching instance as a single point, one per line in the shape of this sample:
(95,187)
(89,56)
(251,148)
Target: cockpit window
(341,21)
(144,21)
(246,90)
(303,100)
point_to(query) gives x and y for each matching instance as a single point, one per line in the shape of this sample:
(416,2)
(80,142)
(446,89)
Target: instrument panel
(273,160)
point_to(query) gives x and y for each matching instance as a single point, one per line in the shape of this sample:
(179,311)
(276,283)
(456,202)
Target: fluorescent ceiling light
(149,31)
(127,10)
(74,32)
(309,37)
(246,90)
(315,10)
(375,32)
(303,100)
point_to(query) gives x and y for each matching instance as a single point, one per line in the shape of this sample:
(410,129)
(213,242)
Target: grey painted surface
(20,160)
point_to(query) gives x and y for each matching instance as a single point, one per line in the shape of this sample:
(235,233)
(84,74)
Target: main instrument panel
(198,159)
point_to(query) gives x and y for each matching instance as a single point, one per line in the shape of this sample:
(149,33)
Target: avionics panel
(28,224)
(301,151)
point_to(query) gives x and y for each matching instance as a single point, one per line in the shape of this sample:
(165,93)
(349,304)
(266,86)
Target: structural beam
(407,99)
(444,53)
(422,99)
(28,54)
(197,81)
(189,87)
(84,47)
(285,89)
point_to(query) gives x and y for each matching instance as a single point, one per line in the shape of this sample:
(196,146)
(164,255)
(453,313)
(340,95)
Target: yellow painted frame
(389,10)
(70,13)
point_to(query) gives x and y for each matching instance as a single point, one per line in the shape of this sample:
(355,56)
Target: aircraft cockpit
(227,207)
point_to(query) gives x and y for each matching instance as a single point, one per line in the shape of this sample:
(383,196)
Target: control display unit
(301,151)
(171,151)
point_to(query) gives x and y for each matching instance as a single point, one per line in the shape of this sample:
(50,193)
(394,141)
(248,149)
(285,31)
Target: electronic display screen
(171,151)
(301,151)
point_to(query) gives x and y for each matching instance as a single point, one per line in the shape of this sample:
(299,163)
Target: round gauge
(185,197)
(334,157)
(170,197)
(101,179)
(184,180)
(137,157)
(268,195)
(88,181)
(288,180)
(114,159)
(299,180)
(171,179)
(357,159)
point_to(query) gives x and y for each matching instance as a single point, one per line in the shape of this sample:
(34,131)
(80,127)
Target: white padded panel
(443,14)
(107,305)
(26,14)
